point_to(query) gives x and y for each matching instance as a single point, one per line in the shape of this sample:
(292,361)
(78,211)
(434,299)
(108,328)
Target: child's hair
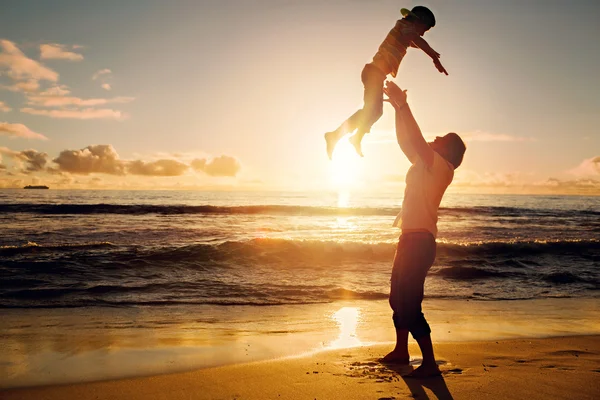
(421,14)
(456,149)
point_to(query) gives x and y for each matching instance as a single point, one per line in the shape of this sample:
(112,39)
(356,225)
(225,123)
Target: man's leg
(414,256)
(418,326)
(428,367)
(400,353)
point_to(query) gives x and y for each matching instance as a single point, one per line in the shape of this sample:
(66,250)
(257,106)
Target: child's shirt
(393,48)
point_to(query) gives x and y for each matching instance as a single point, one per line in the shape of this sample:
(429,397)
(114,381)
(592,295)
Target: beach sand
(548,368)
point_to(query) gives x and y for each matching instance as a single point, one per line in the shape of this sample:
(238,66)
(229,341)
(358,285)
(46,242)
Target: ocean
(107,284)
(135,248)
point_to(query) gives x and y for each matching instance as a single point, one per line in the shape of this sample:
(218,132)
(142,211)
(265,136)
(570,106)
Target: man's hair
(422,14)
(456,149)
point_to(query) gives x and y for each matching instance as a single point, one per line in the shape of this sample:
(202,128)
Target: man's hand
(439,66)
(396,96)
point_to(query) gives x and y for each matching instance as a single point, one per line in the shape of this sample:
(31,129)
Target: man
(432,170)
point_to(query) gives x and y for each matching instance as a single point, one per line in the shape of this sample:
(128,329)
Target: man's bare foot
(331,138)
(396,357)
(425,371)
(356,140)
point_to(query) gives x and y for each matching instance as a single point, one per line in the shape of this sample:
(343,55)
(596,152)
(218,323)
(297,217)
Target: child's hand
(439,66)
(396,96)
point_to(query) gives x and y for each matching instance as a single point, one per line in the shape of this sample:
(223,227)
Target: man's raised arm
(408,133)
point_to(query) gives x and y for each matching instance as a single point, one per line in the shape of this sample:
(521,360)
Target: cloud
(4,107)
(103,75)
(56,90)
(469,178)
(583,186)
(86,113)
(55,51)
(101,72)
(62,101)
(588,168)
(73,107)
(157,168)
(33,159)
(28,86)
(386,137)
(19,130)
(20,67)
(480,136)
(219,166)
(101,158)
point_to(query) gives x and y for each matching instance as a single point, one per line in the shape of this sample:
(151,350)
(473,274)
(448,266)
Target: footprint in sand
(575,353)
(456,371)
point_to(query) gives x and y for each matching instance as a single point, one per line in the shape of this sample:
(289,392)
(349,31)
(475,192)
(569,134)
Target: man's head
(421,16)
(451,147)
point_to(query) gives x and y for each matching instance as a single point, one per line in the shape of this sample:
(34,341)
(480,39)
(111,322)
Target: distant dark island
(36,187)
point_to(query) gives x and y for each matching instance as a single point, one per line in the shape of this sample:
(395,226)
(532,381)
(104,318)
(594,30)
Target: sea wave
(271,250)
(280,271)
(141,209)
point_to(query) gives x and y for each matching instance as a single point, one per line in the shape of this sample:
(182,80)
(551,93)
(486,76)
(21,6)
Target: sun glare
(345,166)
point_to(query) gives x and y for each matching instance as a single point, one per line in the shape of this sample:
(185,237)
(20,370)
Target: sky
(236,94)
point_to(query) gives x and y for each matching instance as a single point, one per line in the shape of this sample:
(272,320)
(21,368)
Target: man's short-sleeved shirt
(425,187)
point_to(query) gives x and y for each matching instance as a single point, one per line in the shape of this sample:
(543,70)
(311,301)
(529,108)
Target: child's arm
(435,56)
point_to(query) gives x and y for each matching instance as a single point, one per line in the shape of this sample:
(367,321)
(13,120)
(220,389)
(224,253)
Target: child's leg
(349,125)
(372,110)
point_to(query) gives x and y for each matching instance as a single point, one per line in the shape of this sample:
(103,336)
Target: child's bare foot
(425,371)
(396,357)
(331,138)
(356,140)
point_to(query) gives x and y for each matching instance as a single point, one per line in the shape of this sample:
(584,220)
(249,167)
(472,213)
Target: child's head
(420,15)
(451,147)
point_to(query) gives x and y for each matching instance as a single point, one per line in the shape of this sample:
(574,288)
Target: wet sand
(550,368)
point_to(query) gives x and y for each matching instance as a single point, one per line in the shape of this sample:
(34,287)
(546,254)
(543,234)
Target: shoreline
(54,346)
(557,368)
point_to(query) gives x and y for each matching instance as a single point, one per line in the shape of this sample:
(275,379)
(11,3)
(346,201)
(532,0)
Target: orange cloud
(87,113)
(588,168)
(219,166)
(55,51)
(4,107)
(157,168)
(56,90)
(28,86)
(34,160)
(20,67)
(62,101)
(102,158)
(19,130)
(101,72)
(480,136)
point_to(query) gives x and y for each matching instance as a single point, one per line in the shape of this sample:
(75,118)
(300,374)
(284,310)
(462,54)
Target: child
(407,32)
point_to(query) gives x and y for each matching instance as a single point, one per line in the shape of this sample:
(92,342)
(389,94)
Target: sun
(345,168)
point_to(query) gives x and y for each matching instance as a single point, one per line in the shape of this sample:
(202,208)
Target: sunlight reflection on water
(347,319)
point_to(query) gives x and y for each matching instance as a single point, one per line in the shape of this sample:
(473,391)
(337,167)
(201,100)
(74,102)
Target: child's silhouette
(407,32)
